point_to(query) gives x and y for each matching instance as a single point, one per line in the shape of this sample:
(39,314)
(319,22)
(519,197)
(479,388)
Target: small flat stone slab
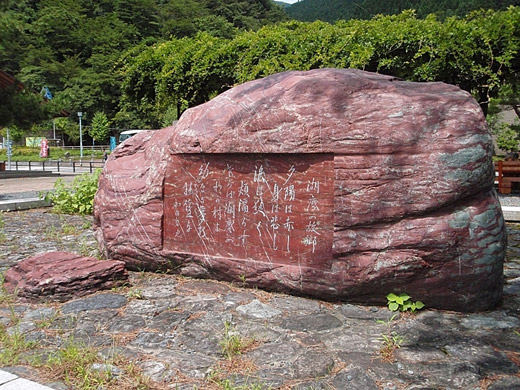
(20,383)
(60,276)
(258,309)
(6,377)
(95,302)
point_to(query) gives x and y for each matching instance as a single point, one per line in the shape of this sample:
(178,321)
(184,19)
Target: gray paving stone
(505,383)
(174,332)
(157,371)
(163,291)
(313,364)
(310,323)
(258,309)
(190,364)
(95,302)
(6,377)
(23,384)
(153,340)
(128,323)
(167,320)
(148,308)
(353,378)
(479,321)
(40,314)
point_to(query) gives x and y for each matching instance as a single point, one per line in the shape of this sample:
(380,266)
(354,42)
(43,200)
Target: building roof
(6,81)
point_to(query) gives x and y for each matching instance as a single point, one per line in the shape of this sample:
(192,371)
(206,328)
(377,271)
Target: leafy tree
(333,10)
(479,53)
(99,127)
(507,136)
(68,127)
(74,46)
(20,108)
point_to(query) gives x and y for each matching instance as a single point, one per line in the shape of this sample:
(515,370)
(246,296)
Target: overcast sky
(289,1)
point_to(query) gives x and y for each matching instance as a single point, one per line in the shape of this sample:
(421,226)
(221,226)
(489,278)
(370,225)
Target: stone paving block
(6,377)
(23,384)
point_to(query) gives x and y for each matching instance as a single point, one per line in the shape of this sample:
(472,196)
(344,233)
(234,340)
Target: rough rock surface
(61,276)
(392,191)
(172,328)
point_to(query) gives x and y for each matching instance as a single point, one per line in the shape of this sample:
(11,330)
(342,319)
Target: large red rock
(60,276)
(338,184)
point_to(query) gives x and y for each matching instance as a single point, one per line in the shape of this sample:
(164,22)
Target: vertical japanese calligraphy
(267,207)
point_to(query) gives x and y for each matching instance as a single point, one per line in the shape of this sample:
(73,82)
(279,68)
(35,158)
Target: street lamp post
(9,150)
(80,114)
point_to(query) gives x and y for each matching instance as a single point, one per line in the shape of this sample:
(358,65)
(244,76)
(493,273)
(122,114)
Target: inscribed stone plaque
(267,207)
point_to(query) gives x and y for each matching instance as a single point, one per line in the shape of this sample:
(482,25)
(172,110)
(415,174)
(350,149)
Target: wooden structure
(507,173)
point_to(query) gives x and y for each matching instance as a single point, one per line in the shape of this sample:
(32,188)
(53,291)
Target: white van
(129,133)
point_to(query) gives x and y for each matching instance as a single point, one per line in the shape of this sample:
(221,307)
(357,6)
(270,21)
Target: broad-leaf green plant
(402,302)
(78,198)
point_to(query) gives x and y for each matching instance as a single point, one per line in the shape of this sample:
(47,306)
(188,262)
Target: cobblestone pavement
(173,329)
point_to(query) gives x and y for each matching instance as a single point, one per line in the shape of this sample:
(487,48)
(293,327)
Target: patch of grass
(81,367)
(12,346)
(86,224)
(73,364)
(51,233)
(216,381)
(45,323)
(232,344)
(70,230)
(134,293)
(83,248)
(5,297)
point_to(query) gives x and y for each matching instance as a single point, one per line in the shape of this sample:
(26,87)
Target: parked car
(129,133)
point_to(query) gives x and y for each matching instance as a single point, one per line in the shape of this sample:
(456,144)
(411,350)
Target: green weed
(402,302)
(70,230)
(12,346)
(232,344)
(216,379)
(5,297)
(78,198)
(134,293)
(73,363)
(389,343)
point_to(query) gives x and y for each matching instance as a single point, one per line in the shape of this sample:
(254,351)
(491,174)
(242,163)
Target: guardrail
(86,149)
(59,166)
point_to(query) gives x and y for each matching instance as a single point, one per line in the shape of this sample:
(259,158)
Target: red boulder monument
(332,183)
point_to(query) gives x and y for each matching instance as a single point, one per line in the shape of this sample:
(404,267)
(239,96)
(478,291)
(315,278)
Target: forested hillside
(73,46)
(143,62)
(479,53)
(332,10)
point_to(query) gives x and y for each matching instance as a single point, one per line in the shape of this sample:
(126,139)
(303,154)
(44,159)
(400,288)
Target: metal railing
(60,166)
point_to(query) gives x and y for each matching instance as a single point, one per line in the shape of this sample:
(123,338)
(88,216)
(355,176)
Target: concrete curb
(10,381)
(23,204)
(511,213)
